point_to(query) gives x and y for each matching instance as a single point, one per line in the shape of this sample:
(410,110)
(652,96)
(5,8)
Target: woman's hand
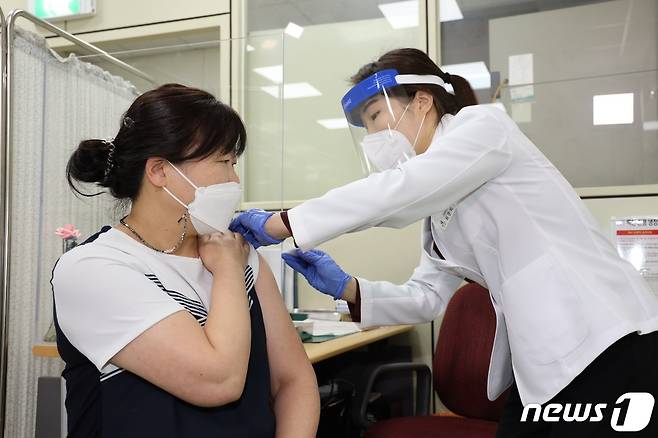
(222,250)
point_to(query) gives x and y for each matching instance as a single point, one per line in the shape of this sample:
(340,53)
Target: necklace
(165,251)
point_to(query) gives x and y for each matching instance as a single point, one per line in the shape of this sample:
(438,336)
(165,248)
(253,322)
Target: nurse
(575,322)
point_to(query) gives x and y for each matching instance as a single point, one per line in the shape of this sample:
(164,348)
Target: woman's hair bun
(88,162)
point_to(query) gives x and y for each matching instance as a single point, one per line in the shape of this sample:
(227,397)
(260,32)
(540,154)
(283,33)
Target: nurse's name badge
(446,216)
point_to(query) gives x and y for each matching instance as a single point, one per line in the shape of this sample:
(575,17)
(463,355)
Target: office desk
(45,349)
(324,350)
(315,352)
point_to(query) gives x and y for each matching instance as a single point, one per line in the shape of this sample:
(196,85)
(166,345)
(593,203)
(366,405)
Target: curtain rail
(14,15)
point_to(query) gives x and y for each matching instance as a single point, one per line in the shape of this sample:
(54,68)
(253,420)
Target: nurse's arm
(470,154)
(294,387)
(421,299)
(352,292)
(278,226)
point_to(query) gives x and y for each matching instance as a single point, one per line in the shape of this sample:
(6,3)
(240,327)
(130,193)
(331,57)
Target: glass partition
(323,46)
(262,76)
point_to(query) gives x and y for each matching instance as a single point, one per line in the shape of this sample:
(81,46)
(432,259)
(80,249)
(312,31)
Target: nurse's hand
(320,270)
(251,224)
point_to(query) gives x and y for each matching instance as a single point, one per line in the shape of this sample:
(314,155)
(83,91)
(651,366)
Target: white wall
(121,13)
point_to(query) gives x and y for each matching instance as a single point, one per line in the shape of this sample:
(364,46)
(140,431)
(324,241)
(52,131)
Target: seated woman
(170,325)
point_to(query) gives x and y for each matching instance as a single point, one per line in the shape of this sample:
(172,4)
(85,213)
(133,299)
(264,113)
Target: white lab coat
(560,291)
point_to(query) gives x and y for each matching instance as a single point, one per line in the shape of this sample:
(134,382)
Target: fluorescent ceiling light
(475,73)
(650,126)
(613,109)
(340,123)
(294,30)
(401,15)
(274,73)
(449,11)
(250,48)
(272,90)
(293,91)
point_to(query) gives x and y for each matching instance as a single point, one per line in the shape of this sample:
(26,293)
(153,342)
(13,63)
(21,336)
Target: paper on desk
(336,328)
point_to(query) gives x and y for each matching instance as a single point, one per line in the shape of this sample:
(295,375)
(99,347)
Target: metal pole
(4,222)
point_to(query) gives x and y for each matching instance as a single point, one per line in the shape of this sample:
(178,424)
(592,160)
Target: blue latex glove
(320,270)
(251,224)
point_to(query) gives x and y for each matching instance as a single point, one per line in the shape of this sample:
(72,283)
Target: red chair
(460,367)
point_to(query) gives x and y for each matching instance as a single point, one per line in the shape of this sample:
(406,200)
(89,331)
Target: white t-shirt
(109,291)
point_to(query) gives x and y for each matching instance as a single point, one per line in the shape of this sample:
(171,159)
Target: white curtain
(56,103)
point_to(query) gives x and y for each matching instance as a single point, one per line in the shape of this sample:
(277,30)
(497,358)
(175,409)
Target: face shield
(374,108)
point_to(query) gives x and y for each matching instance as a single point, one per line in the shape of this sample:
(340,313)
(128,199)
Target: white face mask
(213,206)
(388,148)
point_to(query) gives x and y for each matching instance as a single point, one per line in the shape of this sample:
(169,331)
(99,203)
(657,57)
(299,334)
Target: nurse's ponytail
(414,61)
(464,94)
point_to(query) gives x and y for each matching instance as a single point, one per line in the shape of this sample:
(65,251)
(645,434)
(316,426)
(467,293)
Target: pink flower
(68,231)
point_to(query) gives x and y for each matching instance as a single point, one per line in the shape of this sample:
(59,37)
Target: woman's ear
(424,102)
(154,171)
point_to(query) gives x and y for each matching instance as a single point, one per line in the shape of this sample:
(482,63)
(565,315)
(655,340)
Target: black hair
(173,121)
(414,61)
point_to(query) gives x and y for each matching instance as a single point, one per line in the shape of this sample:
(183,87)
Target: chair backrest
(463,351)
